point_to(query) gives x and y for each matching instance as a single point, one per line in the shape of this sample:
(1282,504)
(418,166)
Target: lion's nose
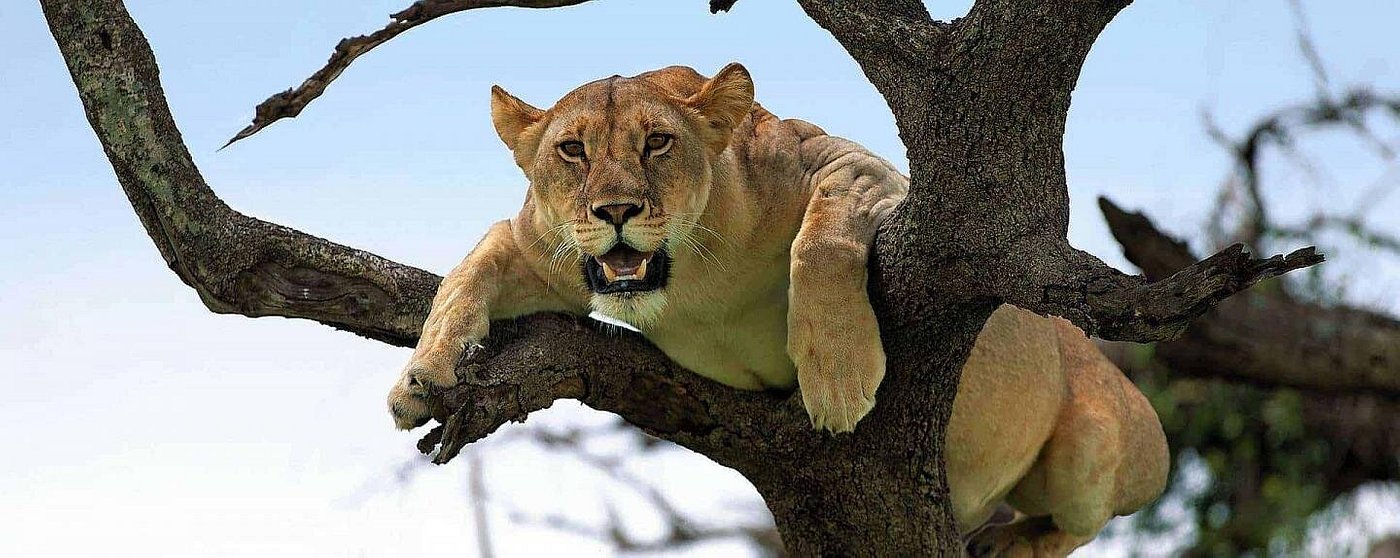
(617,213)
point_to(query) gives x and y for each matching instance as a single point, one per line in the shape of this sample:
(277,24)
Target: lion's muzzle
(624,269)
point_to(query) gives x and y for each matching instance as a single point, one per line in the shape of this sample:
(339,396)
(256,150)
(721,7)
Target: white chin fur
(638,309)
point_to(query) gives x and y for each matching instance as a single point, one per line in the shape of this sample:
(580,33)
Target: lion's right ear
(511,116)
(725,100)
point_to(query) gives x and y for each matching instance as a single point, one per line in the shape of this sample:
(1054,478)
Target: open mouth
(624,269)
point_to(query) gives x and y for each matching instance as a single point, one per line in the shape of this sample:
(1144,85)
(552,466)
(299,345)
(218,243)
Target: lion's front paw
(410,401)
(837,374)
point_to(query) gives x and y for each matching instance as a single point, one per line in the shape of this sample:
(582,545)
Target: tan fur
(769,223)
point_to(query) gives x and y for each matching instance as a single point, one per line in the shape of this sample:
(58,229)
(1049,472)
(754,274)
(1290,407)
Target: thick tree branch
(289,103)
(236,263)
(871,30)
(1047,38)
(529,363)
(1264,336)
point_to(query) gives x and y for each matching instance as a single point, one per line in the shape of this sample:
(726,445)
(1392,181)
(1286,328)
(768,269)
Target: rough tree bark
(979,102)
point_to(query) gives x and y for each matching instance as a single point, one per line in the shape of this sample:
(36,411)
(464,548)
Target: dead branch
(1109,304)
(1265,338)
(236,263)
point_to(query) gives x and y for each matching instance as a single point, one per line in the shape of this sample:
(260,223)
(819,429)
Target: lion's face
(620,173)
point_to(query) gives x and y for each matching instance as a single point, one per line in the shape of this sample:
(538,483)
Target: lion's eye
(571,150)
(658,144)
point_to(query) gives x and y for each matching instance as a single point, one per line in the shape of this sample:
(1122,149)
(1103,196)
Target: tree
(979,102)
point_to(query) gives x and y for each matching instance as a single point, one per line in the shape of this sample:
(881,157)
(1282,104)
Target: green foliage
(1265,474)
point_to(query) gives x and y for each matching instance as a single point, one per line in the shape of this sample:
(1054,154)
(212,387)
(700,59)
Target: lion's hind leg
(1068,496)
(1072,491)
(1106,457)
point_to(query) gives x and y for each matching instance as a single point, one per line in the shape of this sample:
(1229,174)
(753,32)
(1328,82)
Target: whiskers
(682,227)
(565,246)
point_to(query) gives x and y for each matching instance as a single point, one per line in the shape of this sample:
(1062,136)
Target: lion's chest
(738,339)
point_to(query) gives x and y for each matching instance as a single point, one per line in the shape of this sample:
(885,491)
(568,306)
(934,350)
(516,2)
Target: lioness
(737,243)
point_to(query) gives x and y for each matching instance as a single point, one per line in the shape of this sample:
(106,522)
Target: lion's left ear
(724,101)
(511,116)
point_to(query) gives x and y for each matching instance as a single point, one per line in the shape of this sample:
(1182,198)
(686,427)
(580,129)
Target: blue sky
(134,413)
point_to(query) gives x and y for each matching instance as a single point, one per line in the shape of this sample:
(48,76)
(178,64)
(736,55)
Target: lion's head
(620,174)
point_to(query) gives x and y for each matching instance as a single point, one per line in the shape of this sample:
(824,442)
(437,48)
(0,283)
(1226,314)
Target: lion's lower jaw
(640,309)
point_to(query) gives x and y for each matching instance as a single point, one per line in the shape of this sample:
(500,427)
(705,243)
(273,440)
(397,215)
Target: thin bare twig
(1308,48)
(476,495)
(1382,187)
(1352,226)
(289,103)
(1279,129)
(681,530)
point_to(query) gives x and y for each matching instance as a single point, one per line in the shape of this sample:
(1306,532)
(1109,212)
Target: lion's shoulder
(805,130)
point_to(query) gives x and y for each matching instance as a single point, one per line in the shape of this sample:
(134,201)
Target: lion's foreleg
(494,281)
(833,336)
